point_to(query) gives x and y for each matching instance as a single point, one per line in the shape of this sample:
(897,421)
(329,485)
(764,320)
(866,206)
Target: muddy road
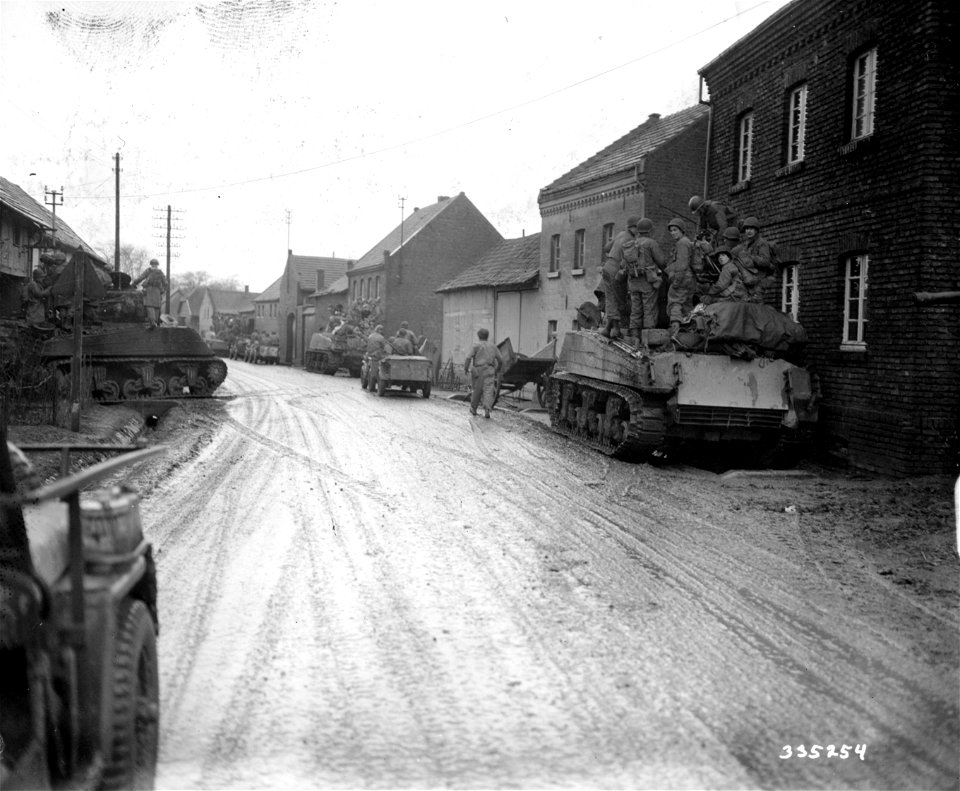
(384,592)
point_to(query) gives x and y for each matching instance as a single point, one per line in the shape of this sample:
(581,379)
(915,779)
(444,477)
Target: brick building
(302,276)
(835,122)
(650,172)
(406,267)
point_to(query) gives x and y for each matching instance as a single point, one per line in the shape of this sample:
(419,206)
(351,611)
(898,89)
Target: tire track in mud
(839,675)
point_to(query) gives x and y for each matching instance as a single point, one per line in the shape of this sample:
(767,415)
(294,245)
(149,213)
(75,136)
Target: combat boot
(607,331)
(615,329)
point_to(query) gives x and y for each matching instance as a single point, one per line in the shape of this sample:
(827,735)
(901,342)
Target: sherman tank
(124,358)
(328,352)
(728,377)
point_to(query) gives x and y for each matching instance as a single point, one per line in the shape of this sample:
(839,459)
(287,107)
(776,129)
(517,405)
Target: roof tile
(512,262)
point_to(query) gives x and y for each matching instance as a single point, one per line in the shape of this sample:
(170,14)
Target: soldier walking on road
(644,281)
(483,363)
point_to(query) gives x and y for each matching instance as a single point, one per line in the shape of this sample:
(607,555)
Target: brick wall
(450,243)
(671,174)
(894,405)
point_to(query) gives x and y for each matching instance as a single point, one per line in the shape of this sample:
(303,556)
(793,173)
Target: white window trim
(793,288)
(797,134)
(857,344)
(579,248)
(745,158)
(867,79)
(555,254)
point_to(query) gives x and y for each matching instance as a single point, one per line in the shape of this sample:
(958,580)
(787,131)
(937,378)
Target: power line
(456,127)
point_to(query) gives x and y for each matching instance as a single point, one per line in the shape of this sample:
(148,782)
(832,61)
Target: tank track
(122,378)
(629,428)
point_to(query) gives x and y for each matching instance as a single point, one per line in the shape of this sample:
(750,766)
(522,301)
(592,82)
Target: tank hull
(630,403)
(129,362)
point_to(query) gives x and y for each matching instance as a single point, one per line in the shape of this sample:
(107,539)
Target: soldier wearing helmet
(749,273)
(613,278)
(683,284)
(154,284)
(714,217)
(643,282)
(729,286)
(761,251)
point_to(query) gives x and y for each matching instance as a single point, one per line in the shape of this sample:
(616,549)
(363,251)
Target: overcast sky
(236,113)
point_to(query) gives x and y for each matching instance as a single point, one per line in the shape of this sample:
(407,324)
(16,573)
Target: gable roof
(512,262)
(16,199)
(411,226)
(228,301)
(305,268)
(338,286)
(272,292)
(194,300)
(629,149)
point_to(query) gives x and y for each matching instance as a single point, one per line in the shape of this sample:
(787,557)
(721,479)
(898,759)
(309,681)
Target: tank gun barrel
(937,297)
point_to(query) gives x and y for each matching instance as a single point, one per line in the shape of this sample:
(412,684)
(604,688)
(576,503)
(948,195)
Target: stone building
(835,123)
(302,276)
(650,172)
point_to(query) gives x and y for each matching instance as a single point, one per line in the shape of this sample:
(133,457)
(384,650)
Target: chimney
(654,117)
(442,198)
(319,279)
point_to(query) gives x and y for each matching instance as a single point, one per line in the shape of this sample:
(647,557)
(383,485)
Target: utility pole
(166,217)
(289,220)
(401,200)
(116,238)
(53,203)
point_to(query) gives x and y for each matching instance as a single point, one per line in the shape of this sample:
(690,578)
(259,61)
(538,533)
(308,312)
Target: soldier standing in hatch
(154,284)
(483,363)
(683,283)
(644,281)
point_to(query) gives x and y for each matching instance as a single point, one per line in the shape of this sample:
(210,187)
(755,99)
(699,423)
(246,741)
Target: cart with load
(519,370)
(408,373)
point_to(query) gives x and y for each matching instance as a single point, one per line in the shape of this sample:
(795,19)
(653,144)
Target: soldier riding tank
(126,358)
(726,379)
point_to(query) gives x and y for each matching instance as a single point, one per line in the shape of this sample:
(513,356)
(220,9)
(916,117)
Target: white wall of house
(465,312)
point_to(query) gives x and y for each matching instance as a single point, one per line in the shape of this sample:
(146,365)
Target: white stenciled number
(787,752)
(815,751)
(831,751)
(861,750)
(801,751)
(845,752)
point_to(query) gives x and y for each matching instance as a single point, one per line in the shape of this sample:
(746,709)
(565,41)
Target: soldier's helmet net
(645,225)
(732,234)
(676,222)
(751,222)
(695,203)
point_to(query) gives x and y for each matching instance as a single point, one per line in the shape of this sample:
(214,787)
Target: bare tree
(133,259)
(187,281)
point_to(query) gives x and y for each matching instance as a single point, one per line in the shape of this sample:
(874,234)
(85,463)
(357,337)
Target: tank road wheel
(175,385)
(158,388)
(426,390)
(109,390)
(199,387)
(132,760)
(381,386)
(132,388)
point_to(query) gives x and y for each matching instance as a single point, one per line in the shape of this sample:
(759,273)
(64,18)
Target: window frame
(552,325)
(744,170)
(797,129)
(376,287)
(606,235)
(861,298)
(863,88)
(579,249)
(555,253)
(790,289)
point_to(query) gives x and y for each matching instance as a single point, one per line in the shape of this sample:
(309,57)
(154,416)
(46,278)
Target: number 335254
(819,751)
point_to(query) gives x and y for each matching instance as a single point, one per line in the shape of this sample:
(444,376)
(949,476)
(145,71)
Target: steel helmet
(696,202)
(676,222)
(731,233)
(632,222)
(644,226)
(751,222)
(154,261)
